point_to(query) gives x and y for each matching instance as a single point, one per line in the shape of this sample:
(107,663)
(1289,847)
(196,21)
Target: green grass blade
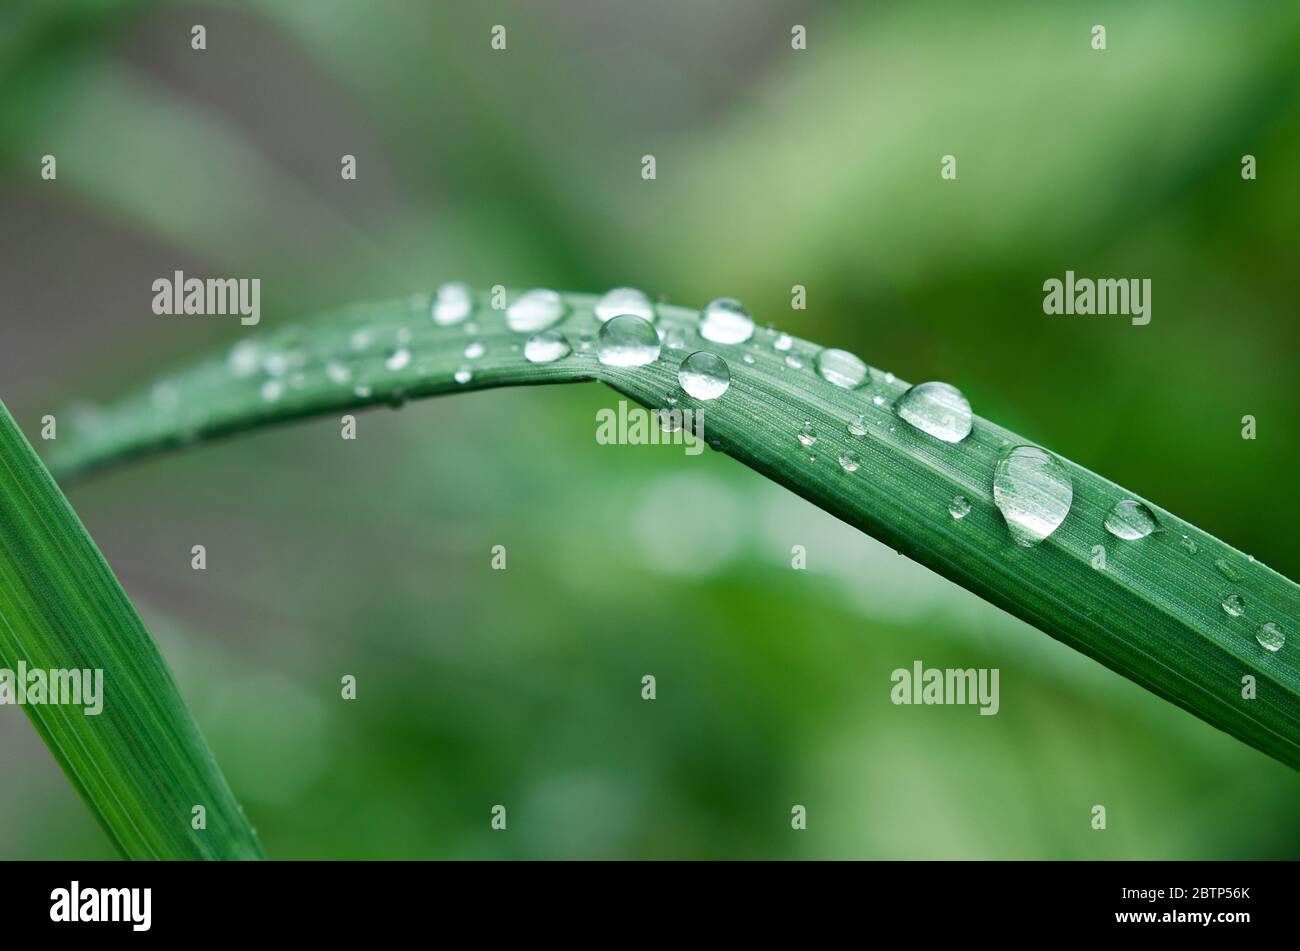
(141,763)
(1153,613)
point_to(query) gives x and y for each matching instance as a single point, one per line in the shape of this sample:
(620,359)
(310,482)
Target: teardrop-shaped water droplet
(841,368)
(960,507)
(624,300)
(463,375)
(546,347)
(1224,568)
(1234,605)
(850,461)
(534,310)
(452,303)
(783,343)
(807,435)
(398,360)
(725,321)
(627,341)
(704,375)
(858,425)
(1033,491)
(1130,520)
(938,409)
(474,350)
(1271,637)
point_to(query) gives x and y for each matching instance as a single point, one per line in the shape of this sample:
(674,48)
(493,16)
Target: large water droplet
(841,368)
(624,300)
(627,341)
(1270,636)
(704,375)
(452,303)
(1033,491)
(546,347)
(534,310)
(1130,520)
(1234,605)
(938,409)
(726,321)
(960,507)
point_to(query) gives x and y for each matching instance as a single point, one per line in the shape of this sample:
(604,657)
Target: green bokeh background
(775,167)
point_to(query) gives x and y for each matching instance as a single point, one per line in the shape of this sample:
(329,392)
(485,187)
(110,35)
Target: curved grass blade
(1152,610)
(140,763)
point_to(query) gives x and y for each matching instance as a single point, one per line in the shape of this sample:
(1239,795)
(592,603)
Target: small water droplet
(1225,569)
(704,375)
(272,390)
(858,425)
(938,409)
(960,507)
(793,362)
(452,303)
(399,359)
(748,358)
(878,400)
(783,343)
(337,372)
(624,300)
(474,350)
(627,341)
(1190,544)
(534,310)
(850,461)
(463,375)
(244,358)
(275,363)
(546,347)
(890,378)
(1130,520)
(725,321)
(1234,605)
(807,435)
(1033,491)
(362,391)
(841,368)
(1271,637)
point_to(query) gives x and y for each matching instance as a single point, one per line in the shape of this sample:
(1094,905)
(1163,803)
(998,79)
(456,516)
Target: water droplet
(627,341)
(360,340)
(275,363)
(474,350)
(1270,636)
(674,339)
(793,362)
(670,420)
(1130,520)
(362,391)
(399,359)
(807,435)
(463,375)
(850,461)
(858,425)
(704,375)
(244,357)
(1227,570)
(725,321)
(878,400)
(337,372)
(452,303)
(1234,606)
(546,347)
(938,409)
(1033,491)
(841,368)
(534,310)
(1190,544)
(748,358)
(272,390)
(890,378)
(624,300)
(783,343)
(960,507)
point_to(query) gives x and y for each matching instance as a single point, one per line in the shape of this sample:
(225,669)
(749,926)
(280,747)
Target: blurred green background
(775,167)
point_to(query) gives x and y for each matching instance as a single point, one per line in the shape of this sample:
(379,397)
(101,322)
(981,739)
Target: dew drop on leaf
(850,461)
(806,435)
(959,508)
(938,409)
(858,425)
(463,375)
(725,321)
(546,347)
(704,375)
(474,350)
(841,368)
(627,341)
(1033,491)
(1225,569)
(1234,606)
(452,303)
(783,343)
(624,300)
(1271,637)
(1130,520)
(399,359)
(534,310)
